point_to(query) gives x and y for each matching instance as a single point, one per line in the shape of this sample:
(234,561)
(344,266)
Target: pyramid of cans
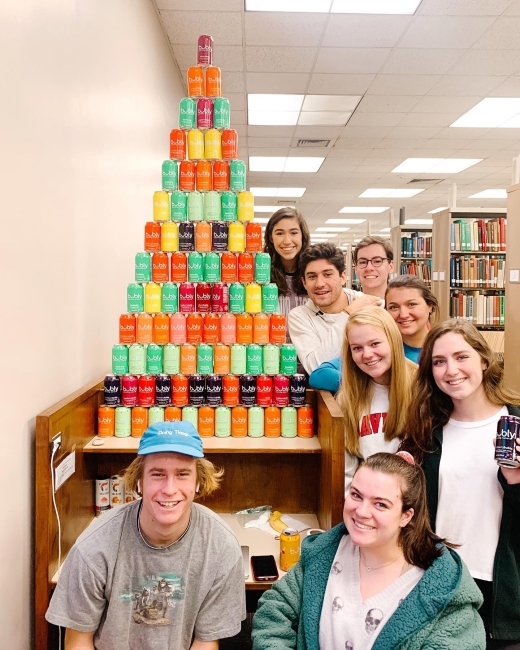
(202,340)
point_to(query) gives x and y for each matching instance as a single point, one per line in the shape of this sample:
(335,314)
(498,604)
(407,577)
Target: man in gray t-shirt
(161,573)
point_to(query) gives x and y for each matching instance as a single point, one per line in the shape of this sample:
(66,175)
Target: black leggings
(487,591)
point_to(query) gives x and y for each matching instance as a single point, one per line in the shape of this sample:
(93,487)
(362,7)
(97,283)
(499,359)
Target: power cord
(55,446)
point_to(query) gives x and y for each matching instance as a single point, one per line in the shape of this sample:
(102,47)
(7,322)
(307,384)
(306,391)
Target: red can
(211,328)
(187,176)
(231,390)
(264,390)
(146,393)
(204,176)
(187,297)
(205,50)
(127,329)
(160,268)
(229,144)
(245,268)
(177,144)
(194,328)
(281,390)
(244,329)
(177,328)
(305,422)
(221,175)
(179,390)
(204,113)
(277,329)
(152,236)
(195,79)
(213,82)
(254,242)
(161,329)
(219,298)
(129,390)
(228,267)
(179,267)
(228,328)
(203,295)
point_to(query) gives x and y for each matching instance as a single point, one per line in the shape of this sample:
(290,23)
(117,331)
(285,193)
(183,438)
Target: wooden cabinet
(511,347)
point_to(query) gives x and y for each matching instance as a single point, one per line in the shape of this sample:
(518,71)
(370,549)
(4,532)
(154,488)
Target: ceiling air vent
(313,143)
(290,202)
(431,181)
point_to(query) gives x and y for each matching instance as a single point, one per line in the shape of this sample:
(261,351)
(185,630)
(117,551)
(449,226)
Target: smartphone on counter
(264,568)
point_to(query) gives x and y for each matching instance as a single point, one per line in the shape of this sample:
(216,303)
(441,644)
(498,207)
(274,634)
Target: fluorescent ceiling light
(435,165)
(384,234)
(387,193)
(322,118)
(266,163)
(493,112)
(330,102)
(385,230)
(270,208)
(489,194)
(437,210)
(416,222)
(360,210)
(374,6)
(301,6)
(285,163)
(356,241)
(284,109)
(353,221)
(272,118)
(326,235)
(275,102)
(261,220)
(332,229)
(287,192)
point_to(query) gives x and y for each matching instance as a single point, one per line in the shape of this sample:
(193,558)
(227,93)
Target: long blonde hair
(356,391)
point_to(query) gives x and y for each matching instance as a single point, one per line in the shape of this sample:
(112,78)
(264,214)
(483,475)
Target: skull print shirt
(347,622)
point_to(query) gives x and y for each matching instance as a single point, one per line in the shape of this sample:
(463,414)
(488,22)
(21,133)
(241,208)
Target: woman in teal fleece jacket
(439,610)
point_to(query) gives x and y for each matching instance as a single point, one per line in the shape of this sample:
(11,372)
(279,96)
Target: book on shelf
(416,245)
(477,271)
(479,308)
(486,235)
(421,268)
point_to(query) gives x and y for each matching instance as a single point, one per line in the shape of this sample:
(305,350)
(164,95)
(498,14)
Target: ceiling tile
(238,117)
(207,5)
(445,31)
(488,62)
(402,84)
(274,28)
(430,104)
(270,131)
(353,144)
(462,7)
(457,85)
(508,88)
(502,35)
(280,59)
(366,131)
(513,9)
(364,30)
(420,61)
(429,119)
(233,82)
(384,104)
(237,101)
(401,143)
(282,82)
(268,142)
(227,57)
(317,132)
(351,60)
(376,119)
(345,84)
(413,132)
(241,129)
(185,27)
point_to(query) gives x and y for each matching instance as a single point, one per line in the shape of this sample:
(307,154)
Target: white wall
(89,93)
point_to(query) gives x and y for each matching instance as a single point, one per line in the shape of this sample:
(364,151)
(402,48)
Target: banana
(276,521)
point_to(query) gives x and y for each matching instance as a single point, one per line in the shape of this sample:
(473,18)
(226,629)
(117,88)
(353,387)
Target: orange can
(188,359)
(187,176)
(144,328)
(152,236)
(228,267)
(213,82)
(172,414)
(195,79)
(127,329)
(221,175)
(203,237)
(179,390)
(254,243)
(206,421)
(244,329)
(277,329)
(204,176)
(179,267)
(230,391)
(161,329)
(177,328)
(239,421)
(160,267)
(228,328)
(222,359)
(211,328)
(177,144)
(272,422)
(194,328)
(305,422)
(139,421)
(229,144)
(261,329)
(245,268)
(106,421)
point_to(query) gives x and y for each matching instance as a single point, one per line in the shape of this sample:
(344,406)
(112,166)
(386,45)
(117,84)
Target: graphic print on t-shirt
(372,619)
(372,424)
(154,598)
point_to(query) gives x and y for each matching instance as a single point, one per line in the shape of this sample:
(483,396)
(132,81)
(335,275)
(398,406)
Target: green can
(237,298)
(187,113)
(135,298)
(143,267)
(172,359)
(237,176)
(254,360)
(222,421)
(221,113)
(154,359)
(289,422)
(229,206)
(204,359)
(191,414)
(123,421)
(238,359)
(170,175)
(255,421)
(211,267)
(178,206)
(288,359)
(170,297)
(155,414)
(212,207)
(137,359)
(269,298)
(262,268)
(195,209)
(271,359)
(195,267)
(119,359)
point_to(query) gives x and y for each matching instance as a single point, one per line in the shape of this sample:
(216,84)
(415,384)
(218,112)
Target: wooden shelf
(478,252)
(412,259)
(466,288)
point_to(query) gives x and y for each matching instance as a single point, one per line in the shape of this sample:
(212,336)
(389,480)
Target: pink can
(281,390)
(129,387)
(204,113)
(219,298)
(178,328)
(205,50)
(228,328)
(187,297)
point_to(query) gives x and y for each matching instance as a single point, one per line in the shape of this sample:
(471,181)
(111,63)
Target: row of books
(420,268)
(478,235)
(472,271)
(416,245)
(478,308)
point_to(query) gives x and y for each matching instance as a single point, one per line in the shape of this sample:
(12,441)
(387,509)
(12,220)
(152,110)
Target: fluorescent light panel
(332,229)
(435,165)
(300,6)
(336,6)
(285,109)
(416,222)
(285,163)
(388,193)
(359,210)
(282,192)
(437,210)
(262,220)
(493,112)
(385,230)
(352,221)
(489,194)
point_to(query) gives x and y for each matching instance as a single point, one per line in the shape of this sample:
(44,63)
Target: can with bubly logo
(221,113)
(187,175)
(269,297)
(139,421)
(178,206)
(508,430)
(246,204)
(160,267)
(195,206)
(221,178)
(154,359)
(195,79)
(142,267)
(289,548)
(178,267)
(222,359)
(281,390)
(187,236)
(204,113)
(230,390)
(127,329)
(204,359)
(177,328)
(255,422)
(152,236)
(237,179)
(205,50)
(305,422)
(213,145)
(236,237)
(190,414)
(179,390)
(112,390)
(228,202)
(213,82)
(254,359)
(163,389)
(129,387)
(171,358)
(172,414)
(214,390)
(229,144)
(239,422)
(187,298)
(187,113)
(261,329)
(135,298)
(245,268)
(219,298)
(247,385)
(170,175)
(212,206)
(238,359)
(123,427)
(170,236)
(272,422)
(206,421)
(277,329)
(177,145)
(254,243)
(211,328)
(144,328)
(271,359)
(229,267)
(204,176)
(237,298)
(222,421)
(244,329)
(155,414)
(219,236)
(146,391)
(161,206)
(289,422)
(196,390)
(195,261)
(262,268)
(152,298)
(203,237)
(228,328)
(211,267)
(288,359)
(137,359)
(264,390)
(297,390)
(194,328)
(161,329)
(102,495)
(253,298)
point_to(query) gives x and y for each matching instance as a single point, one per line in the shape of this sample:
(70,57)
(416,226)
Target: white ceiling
(417,75)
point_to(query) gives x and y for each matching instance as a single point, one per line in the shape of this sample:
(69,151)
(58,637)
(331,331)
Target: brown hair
(374,239)
(323,251)
(420,545)
(277,269)
(208,476)
(413,282)
(431,407)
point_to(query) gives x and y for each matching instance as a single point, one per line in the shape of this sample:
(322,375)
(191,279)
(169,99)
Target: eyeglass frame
(371,260)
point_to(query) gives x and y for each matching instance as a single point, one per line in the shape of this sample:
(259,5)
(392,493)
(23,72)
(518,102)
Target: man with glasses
(374,261)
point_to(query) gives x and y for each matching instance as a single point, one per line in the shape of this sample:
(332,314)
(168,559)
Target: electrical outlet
(56,440)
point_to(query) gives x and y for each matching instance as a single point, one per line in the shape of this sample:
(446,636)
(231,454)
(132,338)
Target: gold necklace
(376,568)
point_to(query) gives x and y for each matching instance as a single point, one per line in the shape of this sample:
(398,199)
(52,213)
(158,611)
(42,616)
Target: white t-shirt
(470,497)
(348,622)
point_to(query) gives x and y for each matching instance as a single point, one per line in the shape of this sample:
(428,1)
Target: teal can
(237,176)
(123,421)
(212,206)
(195,206)
(170,175)
(137,359)
(204,359)
(178,206)
(191,414)
(170,297)
(187,113)
(262,268)
(211,267)
(254,360)
(289,422)
(229,206)
(221,113)
(119,360)
(222,422)
(155,414)
(238,359)
(143,267)
(135,298)
(271,359)
(172,359)
(255,422)
(195,267)
(154,359)
(288,359)
(269,298)
(237,298)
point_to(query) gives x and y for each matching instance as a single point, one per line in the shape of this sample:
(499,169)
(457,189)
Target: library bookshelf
(348,265)
(511,349)
(412,251)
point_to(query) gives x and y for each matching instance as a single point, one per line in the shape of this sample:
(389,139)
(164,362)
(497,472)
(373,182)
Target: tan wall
(89,94)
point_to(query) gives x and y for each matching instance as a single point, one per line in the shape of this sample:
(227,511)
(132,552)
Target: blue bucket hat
(179,437)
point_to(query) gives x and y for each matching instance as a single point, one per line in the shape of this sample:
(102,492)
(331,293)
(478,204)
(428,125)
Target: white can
(117,491)
(102,495)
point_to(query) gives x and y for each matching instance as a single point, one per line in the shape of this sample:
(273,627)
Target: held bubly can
(289,548)
(508,430)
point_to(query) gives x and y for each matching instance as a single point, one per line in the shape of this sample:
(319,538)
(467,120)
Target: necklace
(376,568)
(159,548)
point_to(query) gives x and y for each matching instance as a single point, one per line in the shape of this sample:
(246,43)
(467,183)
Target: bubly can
(160,267)
(170,175)
(171,358)
(119,359)
(196,390)
(255,422)
(127,329)
(237,298)
(206,421)
(231,394)
(180,390)
(188,359)
(146,391)
(187,298)
(254,241)
(204,359)
(281,390)
(238,359)
(154,359)
(204,114)
(229,144)
(191,414)
(204,176)
(203,237)
(144,328)
(187,113)
(205,50)
(187,175)
(508,430)
(222,421)
(195,79)
(237,176)
(297,390)
(135,298)
(245,268)
(152,298)
(123,417)
(277,329)
(195,261)
(178,206)
(253,298)
(228,328)
(170,297)
(195,145)
(254,359)
(102,495)
(212,206)
(247,385)
(170,236)
(152,236)
(172,414)
(245,329)
(264,390)
(139,421)
(163,389)
(289,422)
(221,113)
(236,237)
(211,267)
(305,422)
(289,549)
(219,298)
(112,390)
(213,145)
(203,297)
(221,176)
(269,297)
(161,206)
(155,414)
(211,328)
(239,422)
(161,329)
(177,328)
(246,204)
(195,206)
(219,236)
(271,359)
(272,423)
(177,145)
(214,390)
(229,267)
(229,204)
(187,236)
(178,267)
(137,359)
(288,359)
(261,329)
(194,328)
(222,359)
(213,82)
(143,267)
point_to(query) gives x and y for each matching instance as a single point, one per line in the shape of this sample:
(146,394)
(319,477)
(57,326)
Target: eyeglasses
(362,262)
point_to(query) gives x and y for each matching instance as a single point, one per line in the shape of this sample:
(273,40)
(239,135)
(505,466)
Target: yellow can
(246,206)
(253,298)
(195,145)
(289,548)
(236,237)
(213,144)
(170,237)
(161,206)
(152,298)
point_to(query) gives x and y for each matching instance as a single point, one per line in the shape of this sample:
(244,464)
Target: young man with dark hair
(374,261)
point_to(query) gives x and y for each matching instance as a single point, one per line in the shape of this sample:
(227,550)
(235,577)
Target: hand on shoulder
(363,301)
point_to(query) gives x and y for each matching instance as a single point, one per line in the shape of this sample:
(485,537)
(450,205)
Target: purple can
(247,385)
(214,390)
(508,430)
(196,391)
(112,390)
(297,387)
(219,236)
(205,50)
(219,298)
(187,297)
(204,113)
(163,390)
(186,236)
